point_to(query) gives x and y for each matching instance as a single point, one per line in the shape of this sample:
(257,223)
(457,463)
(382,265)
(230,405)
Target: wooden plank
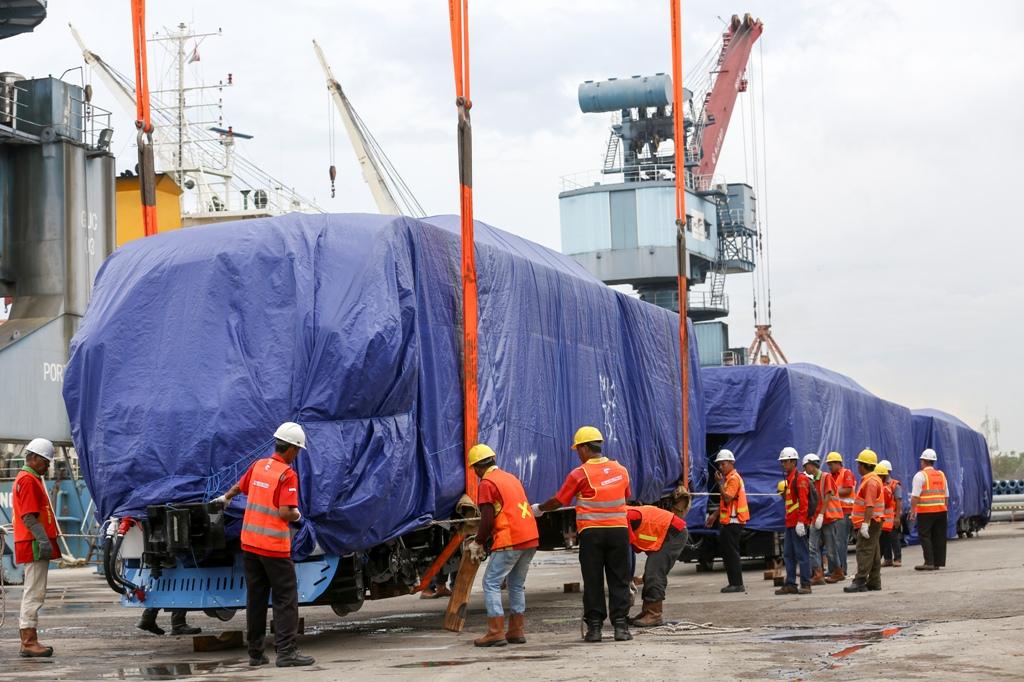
(455,614)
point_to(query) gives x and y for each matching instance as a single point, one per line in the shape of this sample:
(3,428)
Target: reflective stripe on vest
(737,509)
(653,529)
(513,520)
(933,495)
(860,505)
(607,508)
(262,526)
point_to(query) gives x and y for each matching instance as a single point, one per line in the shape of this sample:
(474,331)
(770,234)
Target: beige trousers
(34,593)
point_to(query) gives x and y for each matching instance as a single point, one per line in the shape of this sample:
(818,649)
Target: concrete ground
(964,621)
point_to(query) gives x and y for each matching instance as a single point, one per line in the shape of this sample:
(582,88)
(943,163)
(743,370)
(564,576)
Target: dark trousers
(796,554)
(869,556)
(931,528)
(729,545)
(266,578)
(891,543)
(604,555)
(178,616)
(660,563)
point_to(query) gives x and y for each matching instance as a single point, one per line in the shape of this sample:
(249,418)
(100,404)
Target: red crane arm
(737,42)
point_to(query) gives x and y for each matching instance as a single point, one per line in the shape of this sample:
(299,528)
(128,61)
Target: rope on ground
(688,628)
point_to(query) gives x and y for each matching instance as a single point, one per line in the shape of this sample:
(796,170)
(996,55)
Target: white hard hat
(725,456)
(885,463)
(788,453)
(41,447)
(811,458)
(291,433)
(929,455)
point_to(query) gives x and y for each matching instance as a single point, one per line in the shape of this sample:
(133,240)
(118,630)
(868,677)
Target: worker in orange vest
(842,481)
(798,517)
(929,499)
(731,515)
(815,532)
(601,488)
(868,515)
(272,502)
(661,534)
(507,524)
(831,521)
(35,540)
(892,552)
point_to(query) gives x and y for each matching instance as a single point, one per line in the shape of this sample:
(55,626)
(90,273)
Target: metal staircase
(611,153)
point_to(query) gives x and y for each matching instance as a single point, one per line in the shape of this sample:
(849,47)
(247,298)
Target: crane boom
(373,174)
(737,43)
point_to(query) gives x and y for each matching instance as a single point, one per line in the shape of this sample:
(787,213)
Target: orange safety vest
(513,521)
(46,516)
(933,495)
(834,508)
(262,526)
(844,479)
(860,504)
(607,507)
(792,498)
(889,518)
(653,529)
(738,507)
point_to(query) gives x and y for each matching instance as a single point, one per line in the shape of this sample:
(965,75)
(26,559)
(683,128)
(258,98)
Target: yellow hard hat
(781,487)
(479,453)
(881,470)
(587,434)
(867,456)
(834,457)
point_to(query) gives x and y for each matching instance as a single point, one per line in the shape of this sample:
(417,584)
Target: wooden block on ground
(226,640)
(571,588)
(455,614)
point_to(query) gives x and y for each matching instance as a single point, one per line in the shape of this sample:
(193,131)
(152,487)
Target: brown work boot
(804,589)
(786,589)
(887,563)
(818,577)
(443,592)
(515,634)
(836,576)
(650,616)
(495,635)
(897,563)
(429,594)
(30,646)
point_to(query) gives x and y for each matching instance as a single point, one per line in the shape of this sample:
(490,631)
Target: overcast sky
(893,146)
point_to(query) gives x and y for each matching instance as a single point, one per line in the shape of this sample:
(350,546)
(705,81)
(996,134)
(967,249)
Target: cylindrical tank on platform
(615,94)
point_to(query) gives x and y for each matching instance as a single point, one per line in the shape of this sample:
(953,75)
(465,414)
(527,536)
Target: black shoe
(185,629)
(734,588)
(622,633)
(593,633)
(148,622)
(292,658)
(856,587)
(874,589)
(258,660)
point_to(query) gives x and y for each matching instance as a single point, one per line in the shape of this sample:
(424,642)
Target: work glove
(477,552)
(44,550)
(865,531)
(819,522)
(537,511)
(222,501)
(801,529)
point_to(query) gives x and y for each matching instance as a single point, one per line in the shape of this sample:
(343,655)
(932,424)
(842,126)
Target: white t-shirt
(919,480)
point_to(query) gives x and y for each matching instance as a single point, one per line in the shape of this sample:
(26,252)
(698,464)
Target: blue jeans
(795,551)
(513,564)
(814,537)
(834,549)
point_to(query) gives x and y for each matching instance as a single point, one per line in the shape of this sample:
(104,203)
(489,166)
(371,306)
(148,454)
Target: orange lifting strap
(458,14)
(144,137)
(681,256)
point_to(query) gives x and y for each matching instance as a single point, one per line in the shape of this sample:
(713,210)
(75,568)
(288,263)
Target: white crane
(390,193)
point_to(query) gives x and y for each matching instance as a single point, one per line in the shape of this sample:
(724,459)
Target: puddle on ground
(468,661)
(172,671)
(863,634)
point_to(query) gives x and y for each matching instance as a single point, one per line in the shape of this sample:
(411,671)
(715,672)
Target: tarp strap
(144,137)
(458,14)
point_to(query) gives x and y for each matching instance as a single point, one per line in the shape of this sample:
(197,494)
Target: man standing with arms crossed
(35,541)
(272,502)
(929,499)
(732,514)
(843,482)
(601,488)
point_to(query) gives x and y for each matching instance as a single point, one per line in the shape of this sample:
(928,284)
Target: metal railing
(641,173)
(82,121)
(708,300)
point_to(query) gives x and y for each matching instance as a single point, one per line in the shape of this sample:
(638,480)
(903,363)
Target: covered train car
(963,456)
(197,344)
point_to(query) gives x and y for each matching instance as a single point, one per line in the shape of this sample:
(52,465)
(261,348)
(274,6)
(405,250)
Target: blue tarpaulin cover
(963,457)
(199,342)
(758,410)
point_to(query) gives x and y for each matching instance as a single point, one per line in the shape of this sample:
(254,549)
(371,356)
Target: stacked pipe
(1008,500)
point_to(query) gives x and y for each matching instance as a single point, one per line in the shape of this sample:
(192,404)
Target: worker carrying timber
(508,526)
(661,534)
(272,502)
(35,540)
(799,516)
(929,501)
(837,538)
(601,488)
(868,517)
(731,515)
